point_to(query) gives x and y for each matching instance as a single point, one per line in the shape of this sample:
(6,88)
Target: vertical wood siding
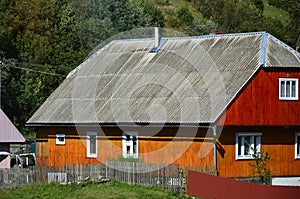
(258,103)
(152,149)
(277,141)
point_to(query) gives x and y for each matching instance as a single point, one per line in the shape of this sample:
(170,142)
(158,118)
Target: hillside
(198,17)
(41,40)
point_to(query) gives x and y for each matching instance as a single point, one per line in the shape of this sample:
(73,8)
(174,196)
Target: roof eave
(124,124)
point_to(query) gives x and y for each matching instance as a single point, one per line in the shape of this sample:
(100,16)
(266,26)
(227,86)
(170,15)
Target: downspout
(214,128)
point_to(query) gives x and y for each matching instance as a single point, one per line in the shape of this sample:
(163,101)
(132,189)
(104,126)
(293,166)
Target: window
(60,139)
(130,144)
(288,89)
(245,143)
(297,146)
(91,144)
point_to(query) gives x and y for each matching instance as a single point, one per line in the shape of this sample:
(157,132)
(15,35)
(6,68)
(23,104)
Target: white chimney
(156,35)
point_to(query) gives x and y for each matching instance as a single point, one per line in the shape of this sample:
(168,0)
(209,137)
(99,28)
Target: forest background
(41,41)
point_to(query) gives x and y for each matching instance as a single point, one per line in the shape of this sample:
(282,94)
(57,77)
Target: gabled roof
(8,132)
(189,80)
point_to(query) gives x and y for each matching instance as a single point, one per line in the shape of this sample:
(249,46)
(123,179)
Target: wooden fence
(168,177)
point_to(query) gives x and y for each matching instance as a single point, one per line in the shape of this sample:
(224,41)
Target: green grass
(271,11)
(110,189)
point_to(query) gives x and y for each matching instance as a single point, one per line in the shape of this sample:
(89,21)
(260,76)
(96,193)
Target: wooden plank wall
(183,150)
(277,141)
(258,103)
(155,146)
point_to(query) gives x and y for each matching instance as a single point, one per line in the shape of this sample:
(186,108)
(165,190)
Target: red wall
(258,103)
(207,186)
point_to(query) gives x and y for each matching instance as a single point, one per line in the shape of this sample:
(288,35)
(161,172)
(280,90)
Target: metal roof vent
(156,37)
(158,41)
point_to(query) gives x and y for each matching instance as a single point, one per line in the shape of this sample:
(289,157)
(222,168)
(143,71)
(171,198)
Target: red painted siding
(258,103)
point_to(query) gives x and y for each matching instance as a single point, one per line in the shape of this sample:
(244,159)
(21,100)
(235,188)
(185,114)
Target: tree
(36,35)
(199,27)
(260,166)
(294,28)
(233,16)
(185,16)
(157,18)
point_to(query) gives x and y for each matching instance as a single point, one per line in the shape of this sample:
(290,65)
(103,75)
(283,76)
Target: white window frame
(253,136)
(128,143)
(88,145)
(58,139)
(287,96)
(297,144)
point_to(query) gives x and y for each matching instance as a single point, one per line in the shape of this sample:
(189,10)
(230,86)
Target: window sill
(244,158)
(91,156)
(288,99)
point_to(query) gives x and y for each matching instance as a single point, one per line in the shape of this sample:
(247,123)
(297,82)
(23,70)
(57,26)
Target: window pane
(134,144)
(239,145)
(288,90)
(92,144)
(127,137)
(298,145)
(293,88)
(282,89)
(128,150)
(247,145)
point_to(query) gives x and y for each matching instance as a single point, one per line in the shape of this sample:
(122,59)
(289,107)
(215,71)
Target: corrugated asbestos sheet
(280,55)
(189,80)
(8,132)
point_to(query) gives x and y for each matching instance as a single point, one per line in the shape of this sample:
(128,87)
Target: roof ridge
(193,37)
(263,49)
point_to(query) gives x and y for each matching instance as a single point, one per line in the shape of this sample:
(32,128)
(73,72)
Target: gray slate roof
(8,132)
(189,80)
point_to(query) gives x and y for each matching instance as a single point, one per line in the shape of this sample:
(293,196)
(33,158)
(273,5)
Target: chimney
(156,36)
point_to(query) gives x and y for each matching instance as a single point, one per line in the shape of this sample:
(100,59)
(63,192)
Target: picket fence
(168,177)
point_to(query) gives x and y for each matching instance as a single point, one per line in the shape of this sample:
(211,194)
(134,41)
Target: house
(193,101)
(9,134)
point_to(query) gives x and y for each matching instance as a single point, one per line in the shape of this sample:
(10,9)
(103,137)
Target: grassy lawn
(278,13)
(87,190)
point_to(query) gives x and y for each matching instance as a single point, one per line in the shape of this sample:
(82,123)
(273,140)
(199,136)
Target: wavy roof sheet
(8,132)
(189,80)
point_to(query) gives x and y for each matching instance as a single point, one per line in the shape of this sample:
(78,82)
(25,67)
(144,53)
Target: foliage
(185,16)
(130,159)
(200,27)
(54,36)
(36,35)
(112,189)
(260,166)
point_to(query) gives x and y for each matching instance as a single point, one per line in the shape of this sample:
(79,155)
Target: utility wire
(40,65)
(32,70)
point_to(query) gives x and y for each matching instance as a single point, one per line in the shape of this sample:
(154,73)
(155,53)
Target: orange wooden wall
(155,145)
(258,103)
(165,147)
(277,141)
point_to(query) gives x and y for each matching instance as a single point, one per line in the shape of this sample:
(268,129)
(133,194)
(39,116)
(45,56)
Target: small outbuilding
(9,134)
